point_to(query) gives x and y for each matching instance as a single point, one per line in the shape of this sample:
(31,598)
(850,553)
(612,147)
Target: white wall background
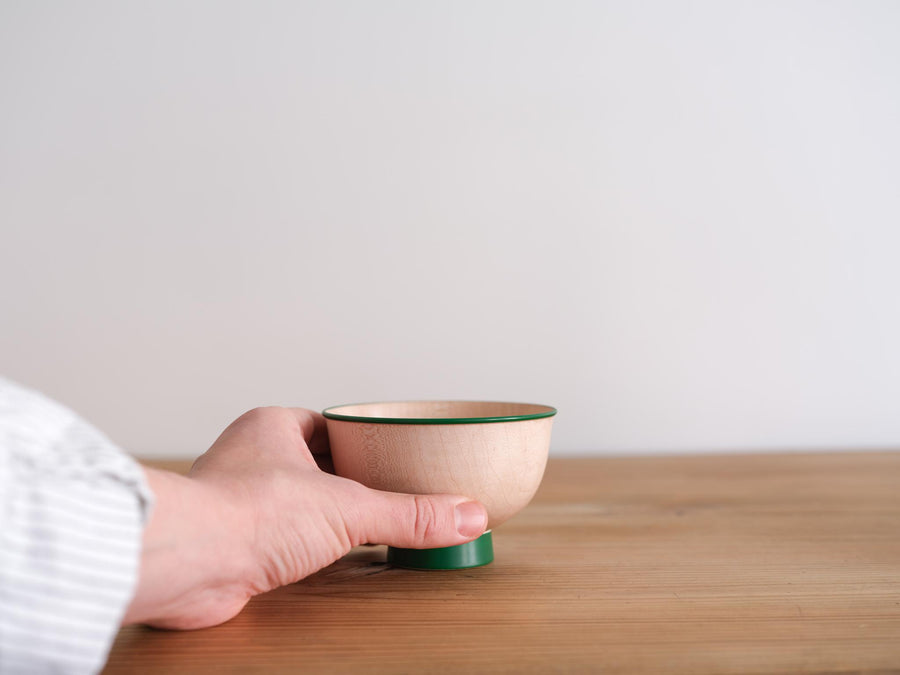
(677,221)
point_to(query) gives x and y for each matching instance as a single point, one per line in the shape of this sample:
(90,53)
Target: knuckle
(261,415)
(252,415)
(426,519)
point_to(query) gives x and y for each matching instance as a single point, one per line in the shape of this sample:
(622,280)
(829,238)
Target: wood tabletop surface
(759,563)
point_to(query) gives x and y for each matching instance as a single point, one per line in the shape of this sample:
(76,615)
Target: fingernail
(471,519)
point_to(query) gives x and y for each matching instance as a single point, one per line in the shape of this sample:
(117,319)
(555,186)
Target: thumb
(420,521)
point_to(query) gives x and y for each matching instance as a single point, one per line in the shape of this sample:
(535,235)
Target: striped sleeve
(72,510)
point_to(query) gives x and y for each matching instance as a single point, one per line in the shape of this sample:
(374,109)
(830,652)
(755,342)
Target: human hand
(256,512)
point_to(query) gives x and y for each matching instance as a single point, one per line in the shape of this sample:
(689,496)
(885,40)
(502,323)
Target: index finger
(315,432)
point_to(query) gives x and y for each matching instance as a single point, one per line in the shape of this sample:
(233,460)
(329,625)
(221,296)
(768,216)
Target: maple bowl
(491,451)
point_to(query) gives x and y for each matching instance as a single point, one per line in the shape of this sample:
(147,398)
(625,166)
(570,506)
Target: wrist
(195,561)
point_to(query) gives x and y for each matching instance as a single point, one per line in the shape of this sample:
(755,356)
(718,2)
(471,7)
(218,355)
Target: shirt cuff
(72,514)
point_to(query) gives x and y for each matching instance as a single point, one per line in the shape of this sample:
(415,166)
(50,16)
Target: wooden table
(701,564)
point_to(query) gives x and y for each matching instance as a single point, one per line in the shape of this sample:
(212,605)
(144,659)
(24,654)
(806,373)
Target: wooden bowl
(490,451)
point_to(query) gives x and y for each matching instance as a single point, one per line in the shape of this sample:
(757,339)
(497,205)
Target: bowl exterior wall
(500,464)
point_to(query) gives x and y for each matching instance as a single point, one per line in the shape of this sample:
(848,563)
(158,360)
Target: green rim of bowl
(330,414)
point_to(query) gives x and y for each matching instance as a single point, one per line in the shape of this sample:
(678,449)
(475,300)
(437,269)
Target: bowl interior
(438,412)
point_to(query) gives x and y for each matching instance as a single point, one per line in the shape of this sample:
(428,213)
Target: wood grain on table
(702,564)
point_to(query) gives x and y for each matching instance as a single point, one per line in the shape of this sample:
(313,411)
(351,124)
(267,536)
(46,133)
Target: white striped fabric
(72,510)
